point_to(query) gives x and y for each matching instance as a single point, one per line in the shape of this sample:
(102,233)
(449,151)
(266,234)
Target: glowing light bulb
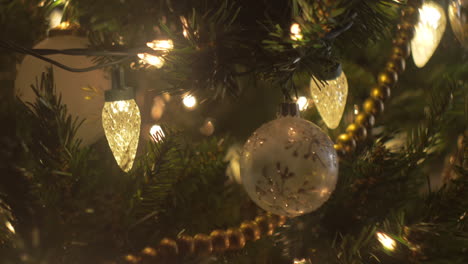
(189,101)
(165,45)
(330,98)
(156,61)
(156,132)
(303,103)
(296,32)
(184,22)
(301,261)
(386,241)
(207,128)
(121,121)
(55,17)
(10,227)
(428,32)
(161,45)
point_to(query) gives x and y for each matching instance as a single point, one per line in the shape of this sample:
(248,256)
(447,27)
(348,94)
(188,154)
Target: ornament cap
(288,109)
(333,73)
(112,95)
(119,91)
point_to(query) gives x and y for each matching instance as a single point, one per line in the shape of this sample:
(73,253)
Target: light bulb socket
(288,109)
(112,95)
(333,73)
(119,91)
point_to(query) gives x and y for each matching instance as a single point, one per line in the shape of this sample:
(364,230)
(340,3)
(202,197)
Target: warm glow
(303,103)
(10,227)
(330,98)
(296,32)
(428,32)
(386,241)
(121,121)
(189,101)
(164,45)
(55,18)
(156,132)
(207,128)
(184,22)
(300,261)
(356,109)
(156,61)
(64,25)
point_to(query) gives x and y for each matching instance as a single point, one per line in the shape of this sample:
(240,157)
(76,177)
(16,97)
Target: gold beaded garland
(168,248)
(365,119)
(359,133)
(236,239)
(202,245)
(410,14)
(265,226)
(387,78)
(396,64)
(219,240)
(347,142)
(339,150)
(402,50)
(381,92)
(282,220)
(148,255)
(373,106)
(185,245)
(131,259)
(250,230)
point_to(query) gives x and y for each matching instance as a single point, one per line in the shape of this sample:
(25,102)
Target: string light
(296,32)
(121,121)
(160,45)
(428,32)
(156,61)
(156,132)
(10,227)
(301,261)
(189,101)
(184,22)
(386,241)
(303,103)
(330,97)
(207,128)
(164,45)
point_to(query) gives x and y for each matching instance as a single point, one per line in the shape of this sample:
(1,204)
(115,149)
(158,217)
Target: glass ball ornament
(82,93)
(289,166)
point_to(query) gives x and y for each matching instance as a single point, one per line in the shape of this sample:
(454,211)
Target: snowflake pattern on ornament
(289,166)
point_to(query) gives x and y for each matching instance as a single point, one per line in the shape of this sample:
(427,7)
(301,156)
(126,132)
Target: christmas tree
(215,131)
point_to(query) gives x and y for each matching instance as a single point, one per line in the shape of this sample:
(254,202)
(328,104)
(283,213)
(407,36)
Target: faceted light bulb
(121,121)
(330,98)
(428,32)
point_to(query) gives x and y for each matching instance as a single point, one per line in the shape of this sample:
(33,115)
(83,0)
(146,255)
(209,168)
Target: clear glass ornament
(330,98)
(458,17)
(289,166)
(428,32)
(121,121)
